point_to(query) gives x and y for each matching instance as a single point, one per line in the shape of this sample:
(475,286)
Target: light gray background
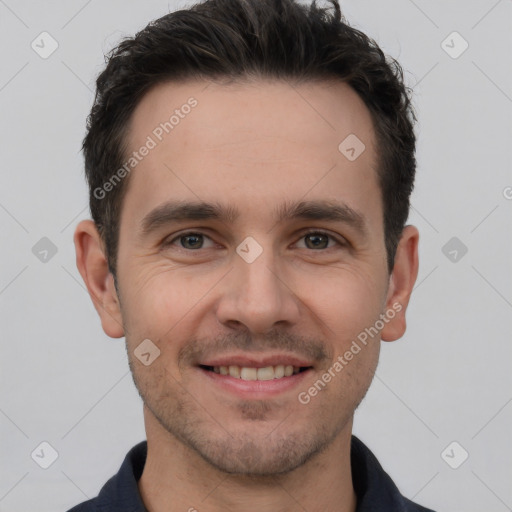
(65,382)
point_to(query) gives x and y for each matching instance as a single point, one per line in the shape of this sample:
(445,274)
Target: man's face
(253,289)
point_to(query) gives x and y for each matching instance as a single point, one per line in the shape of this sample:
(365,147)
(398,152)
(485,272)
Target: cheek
(345,300)
(160,300)
(164,303)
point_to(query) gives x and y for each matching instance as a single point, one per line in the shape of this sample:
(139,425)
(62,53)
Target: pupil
(195,241)
(317,240)
(191,241)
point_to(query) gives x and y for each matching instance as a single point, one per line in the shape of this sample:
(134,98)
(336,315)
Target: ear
(93,267)
(401,282)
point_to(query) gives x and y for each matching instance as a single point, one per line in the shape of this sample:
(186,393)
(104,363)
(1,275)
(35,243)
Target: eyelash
(339,242)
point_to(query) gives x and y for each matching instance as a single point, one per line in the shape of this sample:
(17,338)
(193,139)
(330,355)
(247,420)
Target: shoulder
(86,506)
(410,506)
(120,492)
(374,488)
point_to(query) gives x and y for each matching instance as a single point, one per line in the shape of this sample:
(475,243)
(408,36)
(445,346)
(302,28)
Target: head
(250,165)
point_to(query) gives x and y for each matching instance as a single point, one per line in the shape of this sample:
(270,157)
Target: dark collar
(374,488)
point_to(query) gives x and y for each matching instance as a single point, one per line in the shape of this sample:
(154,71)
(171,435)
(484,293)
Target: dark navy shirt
(374,489)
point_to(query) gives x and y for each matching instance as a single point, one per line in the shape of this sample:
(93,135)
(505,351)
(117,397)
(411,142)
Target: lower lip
(256,389)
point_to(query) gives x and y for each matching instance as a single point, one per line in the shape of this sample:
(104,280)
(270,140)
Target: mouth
(255,378)
(249,373)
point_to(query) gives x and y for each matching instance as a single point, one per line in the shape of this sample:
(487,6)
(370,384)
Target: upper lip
(256,361)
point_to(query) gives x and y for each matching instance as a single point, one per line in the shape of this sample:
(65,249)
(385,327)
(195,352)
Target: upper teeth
(267,373)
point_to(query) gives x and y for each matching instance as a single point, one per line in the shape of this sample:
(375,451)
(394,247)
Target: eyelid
(340,241)
(170,240)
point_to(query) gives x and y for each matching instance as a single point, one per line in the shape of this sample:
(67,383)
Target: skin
(250,146)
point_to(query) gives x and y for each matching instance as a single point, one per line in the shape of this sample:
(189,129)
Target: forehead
(254,143)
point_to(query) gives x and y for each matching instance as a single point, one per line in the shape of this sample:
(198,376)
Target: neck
(176,478)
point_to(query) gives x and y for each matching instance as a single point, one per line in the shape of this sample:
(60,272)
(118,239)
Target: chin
(258,449)
(250,458)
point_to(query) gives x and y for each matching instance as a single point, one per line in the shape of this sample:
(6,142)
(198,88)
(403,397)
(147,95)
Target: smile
(252,373)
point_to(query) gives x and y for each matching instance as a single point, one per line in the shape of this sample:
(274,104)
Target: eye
(190,240)
(319,240)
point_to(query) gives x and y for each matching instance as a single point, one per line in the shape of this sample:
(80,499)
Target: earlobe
(93,267)
(401,283)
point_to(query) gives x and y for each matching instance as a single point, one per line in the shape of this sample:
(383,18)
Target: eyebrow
(175,211)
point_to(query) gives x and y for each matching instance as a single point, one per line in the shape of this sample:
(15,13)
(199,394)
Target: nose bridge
(256,295)
(259,286)
(259,279)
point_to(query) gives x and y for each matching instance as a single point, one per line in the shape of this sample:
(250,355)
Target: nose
(258,295)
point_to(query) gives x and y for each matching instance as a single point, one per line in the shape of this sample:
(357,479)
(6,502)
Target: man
(250,165)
